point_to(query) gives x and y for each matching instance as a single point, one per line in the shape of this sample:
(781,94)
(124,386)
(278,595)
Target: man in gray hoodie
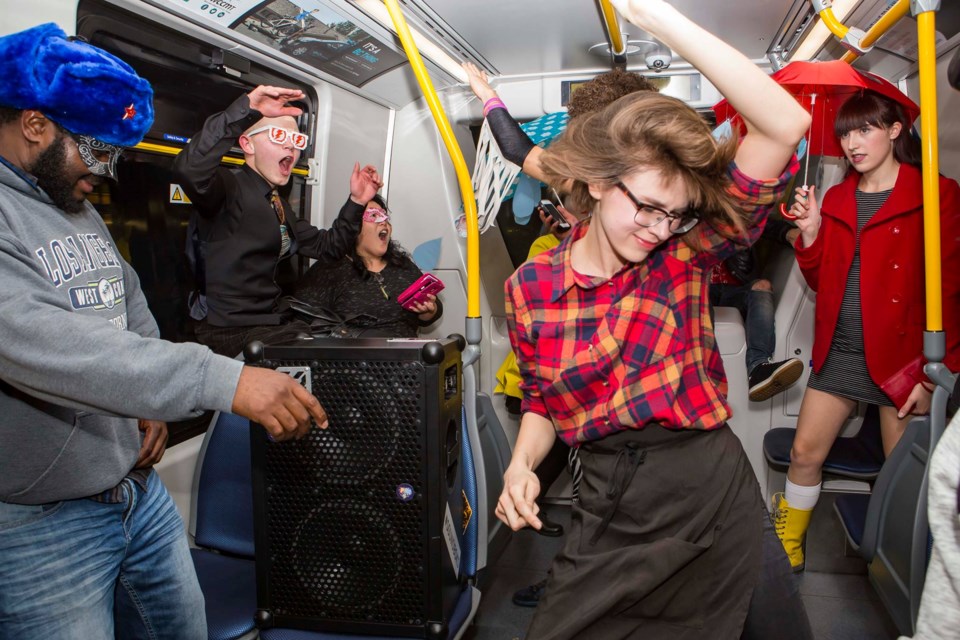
(91,545)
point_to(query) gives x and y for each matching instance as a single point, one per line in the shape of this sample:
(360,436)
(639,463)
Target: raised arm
(775,121)
(334,243)
(197,165)
(515,145)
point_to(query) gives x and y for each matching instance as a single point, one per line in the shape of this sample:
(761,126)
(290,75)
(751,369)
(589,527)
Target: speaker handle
(263,619)
(253,352)
(460,340)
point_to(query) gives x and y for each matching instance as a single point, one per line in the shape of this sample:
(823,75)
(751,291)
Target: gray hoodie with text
(78,350)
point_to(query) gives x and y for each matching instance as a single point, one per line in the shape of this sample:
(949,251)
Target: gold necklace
(378,277)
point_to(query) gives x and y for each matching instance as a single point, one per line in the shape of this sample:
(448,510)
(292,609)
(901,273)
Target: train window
(147,217)
(145,211)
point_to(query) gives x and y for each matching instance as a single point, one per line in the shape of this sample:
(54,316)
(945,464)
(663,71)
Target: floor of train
(838,597)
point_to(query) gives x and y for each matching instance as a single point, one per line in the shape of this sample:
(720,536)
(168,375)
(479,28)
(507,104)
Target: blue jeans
(756,307)
(83,570)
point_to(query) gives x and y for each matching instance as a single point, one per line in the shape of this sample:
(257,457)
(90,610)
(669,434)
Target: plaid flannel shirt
(599,355)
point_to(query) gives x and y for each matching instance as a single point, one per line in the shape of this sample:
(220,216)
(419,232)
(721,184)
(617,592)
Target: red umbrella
(822,87)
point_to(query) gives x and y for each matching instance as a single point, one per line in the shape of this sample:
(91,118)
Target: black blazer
(239,229)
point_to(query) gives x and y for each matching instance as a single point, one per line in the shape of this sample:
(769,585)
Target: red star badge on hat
(129,112)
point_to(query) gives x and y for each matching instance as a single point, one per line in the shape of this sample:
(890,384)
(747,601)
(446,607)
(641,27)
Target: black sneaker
(770,378)
(530,596)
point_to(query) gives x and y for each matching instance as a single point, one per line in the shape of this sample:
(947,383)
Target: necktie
(277,206)
(282,217)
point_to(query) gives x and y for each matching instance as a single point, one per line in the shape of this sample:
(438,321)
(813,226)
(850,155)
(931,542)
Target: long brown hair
(879,111)
(647,130)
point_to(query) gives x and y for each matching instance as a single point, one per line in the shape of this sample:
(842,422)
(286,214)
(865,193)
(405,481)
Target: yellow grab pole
(456,155)
(168,150)
(926,37)
(887,20)
(617,46)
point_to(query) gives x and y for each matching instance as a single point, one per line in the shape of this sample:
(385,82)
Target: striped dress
(844,372)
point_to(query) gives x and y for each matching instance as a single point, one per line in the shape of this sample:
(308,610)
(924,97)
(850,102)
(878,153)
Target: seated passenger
(248,232)
(612,333)
(862,252)
(733,284)
(362,287)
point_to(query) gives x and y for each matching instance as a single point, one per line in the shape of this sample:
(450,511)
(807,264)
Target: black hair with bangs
(871,108)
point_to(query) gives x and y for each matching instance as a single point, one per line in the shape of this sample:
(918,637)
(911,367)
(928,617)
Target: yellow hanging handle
(887,20)
(830,21)
(617,46)
(851,38)
(926,39)
(463,175)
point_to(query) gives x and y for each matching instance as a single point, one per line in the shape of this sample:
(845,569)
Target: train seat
(224,559)
(859,456)
(889,527)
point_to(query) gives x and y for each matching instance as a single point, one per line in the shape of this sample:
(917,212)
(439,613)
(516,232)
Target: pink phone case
(417,293)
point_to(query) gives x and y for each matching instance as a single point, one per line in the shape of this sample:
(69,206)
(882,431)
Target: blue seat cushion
(853,457)
(225,495)
(229,588)
(852,510)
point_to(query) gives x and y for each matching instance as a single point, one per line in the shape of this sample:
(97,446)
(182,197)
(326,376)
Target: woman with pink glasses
(363,288)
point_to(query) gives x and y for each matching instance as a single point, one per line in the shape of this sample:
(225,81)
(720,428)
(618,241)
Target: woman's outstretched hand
(479,82)
(364,183)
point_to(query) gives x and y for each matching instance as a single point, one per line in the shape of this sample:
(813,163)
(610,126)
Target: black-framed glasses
(649,215)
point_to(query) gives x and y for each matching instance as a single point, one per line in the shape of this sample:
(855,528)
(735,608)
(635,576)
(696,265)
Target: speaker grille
(345,509)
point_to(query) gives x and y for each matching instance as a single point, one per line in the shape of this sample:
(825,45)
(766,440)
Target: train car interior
(369,100)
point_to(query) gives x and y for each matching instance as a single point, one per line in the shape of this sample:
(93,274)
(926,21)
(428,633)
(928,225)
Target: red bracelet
(924,384)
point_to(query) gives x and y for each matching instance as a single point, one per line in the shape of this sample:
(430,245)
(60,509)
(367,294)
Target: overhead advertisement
(224,12)
(307,30)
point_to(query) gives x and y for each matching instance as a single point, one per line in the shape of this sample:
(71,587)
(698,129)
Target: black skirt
(664,543)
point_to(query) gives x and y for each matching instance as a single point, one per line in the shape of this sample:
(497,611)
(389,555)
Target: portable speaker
(358,527)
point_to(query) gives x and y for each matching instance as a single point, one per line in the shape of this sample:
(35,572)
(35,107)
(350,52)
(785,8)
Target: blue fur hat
(82,88)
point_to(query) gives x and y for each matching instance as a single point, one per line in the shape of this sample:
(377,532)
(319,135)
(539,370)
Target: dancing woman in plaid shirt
(617,354)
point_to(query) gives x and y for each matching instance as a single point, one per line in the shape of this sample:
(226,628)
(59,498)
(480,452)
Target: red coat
(892,276)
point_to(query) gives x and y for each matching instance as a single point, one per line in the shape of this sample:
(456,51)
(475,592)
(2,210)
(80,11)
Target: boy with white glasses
(247,231)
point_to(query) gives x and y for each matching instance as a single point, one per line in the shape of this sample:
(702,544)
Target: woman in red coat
(862,252)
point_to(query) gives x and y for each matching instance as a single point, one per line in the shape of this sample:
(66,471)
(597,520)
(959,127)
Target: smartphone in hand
(551,210)
(427,284)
